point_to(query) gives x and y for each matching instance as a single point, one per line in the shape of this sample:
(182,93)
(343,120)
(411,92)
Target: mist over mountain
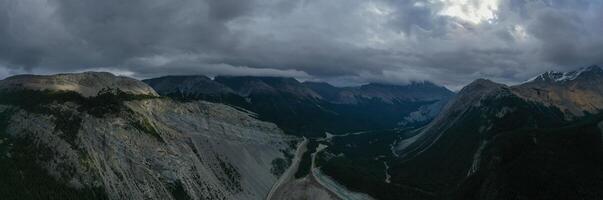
(447,42)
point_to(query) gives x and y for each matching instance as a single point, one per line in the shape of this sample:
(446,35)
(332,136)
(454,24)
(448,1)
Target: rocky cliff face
(128,146)
(575,93)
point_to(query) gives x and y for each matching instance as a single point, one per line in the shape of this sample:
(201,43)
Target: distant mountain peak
(573,92)
(481,84)
(560,77)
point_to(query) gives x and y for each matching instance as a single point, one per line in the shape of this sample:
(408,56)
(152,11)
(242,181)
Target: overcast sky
(449,42)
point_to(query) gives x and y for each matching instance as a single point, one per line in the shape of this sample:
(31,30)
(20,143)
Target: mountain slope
(574,92)
(118,145)
(250,86)
(415,91)
(498,142)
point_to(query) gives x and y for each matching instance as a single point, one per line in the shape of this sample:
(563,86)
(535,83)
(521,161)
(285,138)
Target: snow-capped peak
(563,76)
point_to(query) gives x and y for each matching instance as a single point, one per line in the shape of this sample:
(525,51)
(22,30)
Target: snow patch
(561,76)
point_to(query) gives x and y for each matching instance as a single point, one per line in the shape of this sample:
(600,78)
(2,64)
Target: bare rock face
(87,84)
(574,92)
(158,149)
(132,145)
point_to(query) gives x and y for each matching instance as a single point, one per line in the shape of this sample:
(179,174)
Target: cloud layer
(450,42)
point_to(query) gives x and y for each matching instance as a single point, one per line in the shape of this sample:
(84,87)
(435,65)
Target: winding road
(290,172)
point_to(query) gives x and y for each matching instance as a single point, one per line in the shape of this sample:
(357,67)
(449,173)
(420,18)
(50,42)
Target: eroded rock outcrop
(134,145)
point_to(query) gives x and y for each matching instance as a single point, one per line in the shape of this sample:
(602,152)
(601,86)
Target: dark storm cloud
(342,41)
(570,36)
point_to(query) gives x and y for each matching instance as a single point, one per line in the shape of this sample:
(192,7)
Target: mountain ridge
(484,135)
(311,109)
(492,129)
(554,76)
(271,84)
(88,84)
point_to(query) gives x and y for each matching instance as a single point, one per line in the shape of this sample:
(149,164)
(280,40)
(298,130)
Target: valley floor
(315,185)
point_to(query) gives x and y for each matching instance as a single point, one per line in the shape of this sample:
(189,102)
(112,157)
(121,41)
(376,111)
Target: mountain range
(94,135)
(313,108)
(538,140)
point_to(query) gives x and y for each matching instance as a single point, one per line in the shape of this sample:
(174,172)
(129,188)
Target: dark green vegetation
(312,117)
(305,164)
(279,166)
(358,162)
(107,102)
(548,163)
(233,177)
(443,165)
(178,191)
(530,153)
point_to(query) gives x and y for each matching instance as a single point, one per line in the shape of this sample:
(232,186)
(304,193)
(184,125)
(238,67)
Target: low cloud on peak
(340,41)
